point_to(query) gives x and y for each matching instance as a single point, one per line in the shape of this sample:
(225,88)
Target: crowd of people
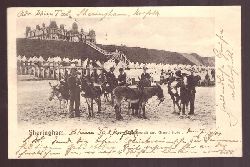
(158,72)
(73,80)
(121,74)
(124,76)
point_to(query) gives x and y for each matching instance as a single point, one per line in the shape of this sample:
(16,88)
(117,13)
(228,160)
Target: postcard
(124,82)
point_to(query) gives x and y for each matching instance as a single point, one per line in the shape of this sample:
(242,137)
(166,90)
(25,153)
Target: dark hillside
(52,48)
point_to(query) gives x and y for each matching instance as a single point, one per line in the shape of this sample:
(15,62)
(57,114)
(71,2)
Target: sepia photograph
(107,73)
(131,70)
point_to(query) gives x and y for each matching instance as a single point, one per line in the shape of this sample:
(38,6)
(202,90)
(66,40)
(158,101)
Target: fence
(50,70)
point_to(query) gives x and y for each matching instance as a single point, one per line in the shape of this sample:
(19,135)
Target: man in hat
(170,76)
(191,87)
(145,75)
(144,81)
(74,92)
(122,77)
(111,79)
(178,77)
(162,77)
(94,76)
(207,79)
(184,93)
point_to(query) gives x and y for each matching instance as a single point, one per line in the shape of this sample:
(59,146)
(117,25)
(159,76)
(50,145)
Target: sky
(177,34)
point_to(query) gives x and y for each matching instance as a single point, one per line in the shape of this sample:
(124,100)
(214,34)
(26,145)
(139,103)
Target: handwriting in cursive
(226,75)
(125,143)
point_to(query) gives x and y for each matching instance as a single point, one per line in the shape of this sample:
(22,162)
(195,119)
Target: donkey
(135,96)
(60,92)
(106,90)
(91,93)
(180,92)
(188,91)
(173,90)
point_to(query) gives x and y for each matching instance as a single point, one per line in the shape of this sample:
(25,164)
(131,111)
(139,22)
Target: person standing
(145,75)
(112,81)
(74,83)
(111,78)
(162,77)
(122,77)
(191,87)
(144,82)
(213,74)
(145,79)
(207,79)
(94,76)
(179,78)
(66,75)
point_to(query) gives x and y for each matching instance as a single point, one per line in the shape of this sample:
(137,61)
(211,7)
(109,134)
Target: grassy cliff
(52,48)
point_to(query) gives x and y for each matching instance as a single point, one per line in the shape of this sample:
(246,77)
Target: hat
(121,69)
(145,68)
(178,73)
(72,70)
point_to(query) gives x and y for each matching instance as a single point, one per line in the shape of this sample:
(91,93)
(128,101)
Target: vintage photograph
(159,70)
(124,82)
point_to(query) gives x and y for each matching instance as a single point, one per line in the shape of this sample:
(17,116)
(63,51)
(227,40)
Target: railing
(112,55)
(97,48)
(49,70)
